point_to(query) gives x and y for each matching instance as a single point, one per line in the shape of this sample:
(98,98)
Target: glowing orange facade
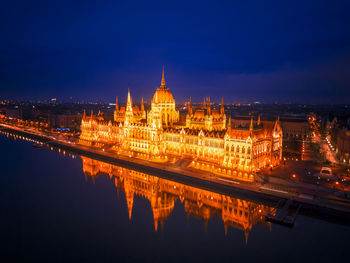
(205,139)
(162,195)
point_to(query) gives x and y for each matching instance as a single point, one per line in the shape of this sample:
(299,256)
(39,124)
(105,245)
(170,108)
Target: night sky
(285,51)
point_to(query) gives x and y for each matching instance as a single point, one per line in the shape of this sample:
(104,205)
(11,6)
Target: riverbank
(315,207)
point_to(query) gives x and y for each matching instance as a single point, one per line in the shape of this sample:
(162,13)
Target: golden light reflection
(162,195)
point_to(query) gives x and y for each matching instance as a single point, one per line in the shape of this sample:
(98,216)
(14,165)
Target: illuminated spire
(84,114)
(162,83)
(222,110)
(142,107)
(277,123)
(259,120)
(204,103)
(229,124)
(190,107)
(92,113)
(116,104)
(251,126)
(209,110)
(129,102)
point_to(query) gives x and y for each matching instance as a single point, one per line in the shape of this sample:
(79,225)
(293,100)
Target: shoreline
(253,192)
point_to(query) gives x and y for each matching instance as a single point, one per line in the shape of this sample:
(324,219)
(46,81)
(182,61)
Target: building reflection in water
(162,194)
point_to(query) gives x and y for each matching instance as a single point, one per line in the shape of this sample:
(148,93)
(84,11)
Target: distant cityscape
(332,120)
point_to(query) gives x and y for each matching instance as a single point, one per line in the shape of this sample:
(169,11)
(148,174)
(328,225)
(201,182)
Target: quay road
(314,204)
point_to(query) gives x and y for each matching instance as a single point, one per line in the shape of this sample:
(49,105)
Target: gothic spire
(190,107)
(259,120)
(116,104)
(222,110)
(277,123)
(203,105)
(142,106)
(251,126)
(208,110)
(229,124)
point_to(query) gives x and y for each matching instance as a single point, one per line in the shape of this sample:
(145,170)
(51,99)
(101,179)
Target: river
(62,208)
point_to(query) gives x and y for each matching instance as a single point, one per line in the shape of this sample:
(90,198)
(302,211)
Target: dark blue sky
(286,51)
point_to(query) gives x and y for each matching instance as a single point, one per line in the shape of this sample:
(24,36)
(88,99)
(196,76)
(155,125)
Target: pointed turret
(116,104)
(222,110)
(203,104)
(162,83)
(142,106)
(259,120)
(251,126)
(92,113)
(190,107)
(84,114)
(229,124)
(277,123)
(209,110)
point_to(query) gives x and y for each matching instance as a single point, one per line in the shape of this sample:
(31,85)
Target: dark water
(52,212)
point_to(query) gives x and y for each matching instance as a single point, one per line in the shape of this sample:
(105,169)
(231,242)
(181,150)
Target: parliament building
(206,137)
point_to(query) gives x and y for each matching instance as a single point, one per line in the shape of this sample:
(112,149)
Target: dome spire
(162,83)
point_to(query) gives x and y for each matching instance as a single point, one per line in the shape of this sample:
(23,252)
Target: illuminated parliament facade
(205,138)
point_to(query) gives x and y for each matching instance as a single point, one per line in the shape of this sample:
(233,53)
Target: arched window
(232,148)
(243,150)
(248,151)
(237,149)
(227,147)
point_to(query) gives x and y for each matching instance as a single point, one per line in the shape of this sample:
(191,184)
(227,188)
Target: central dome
(163,94)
